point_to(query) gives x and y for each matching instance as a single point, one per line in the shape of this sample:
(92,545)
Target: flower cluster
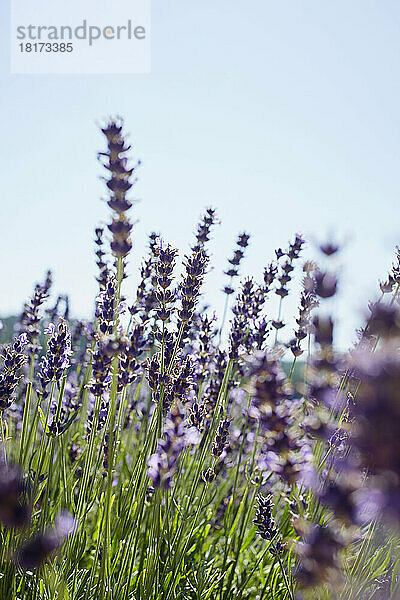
(14,508)
(376,414)
(105,306)
(101,366)
(176,436)
(214,385)
(103,274)
(170,386)
(189,289)
(287,267)
(29,321)
(248,305)
(308,302)
(319,556)
(57,359)
(119,185)
(283,450)
(321,443)
(265,523)
(206,333)
(220,438)
(238,254)
(13,359)
(195,267)
(41,546)
(284,276)
(145,295)
(204,228)
(131,351)
(164,272)
(197,415)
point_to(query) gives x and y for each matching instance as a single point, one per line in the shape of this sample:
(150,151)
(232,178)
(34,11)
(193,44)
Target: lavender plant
(158,452)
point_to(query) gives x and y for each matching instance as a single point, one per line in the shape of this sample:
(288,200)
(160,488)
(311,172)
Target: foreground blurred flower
(284,450)
(375,431)
(319,557)
(176,436)
(14,508)
(41,546)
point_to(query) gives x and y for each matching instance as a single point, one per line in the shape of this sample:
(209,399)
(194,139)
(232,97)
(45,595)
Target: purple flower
(33,553)
(176,437)
(13,360)
(119,184)
(14,509)
(325,284)
(58,355)
(265,524)
(319,556)
(220,438)
(282,445)
(29,321)
(238,254)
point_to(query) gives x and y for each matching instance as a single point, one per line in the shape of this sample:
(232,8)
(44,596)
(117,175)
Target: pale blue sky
(283,114)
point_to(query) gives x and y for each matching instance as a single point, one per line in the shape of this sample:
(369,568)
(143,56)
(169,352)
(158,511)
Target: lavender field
(160,451)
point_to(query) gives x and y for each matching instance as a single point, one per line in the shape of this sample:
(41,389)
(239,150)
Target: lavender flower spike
(57,360)
(14,358)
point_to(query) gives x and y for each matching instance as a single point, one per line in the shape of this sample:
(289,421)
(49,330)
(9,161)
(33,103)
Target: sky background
(283,115)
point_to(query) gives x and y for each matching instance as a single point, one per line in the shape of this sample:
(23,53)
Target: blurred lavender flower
(319,556)
(283,449)
(325,284)
(131,350)
(14,508)
(33,553)
(375,428)
(163,463)
(329,248)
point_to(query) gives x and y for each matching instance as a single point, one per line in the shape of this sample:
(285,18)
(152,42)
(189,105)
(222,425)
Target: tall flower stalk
(144,457)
